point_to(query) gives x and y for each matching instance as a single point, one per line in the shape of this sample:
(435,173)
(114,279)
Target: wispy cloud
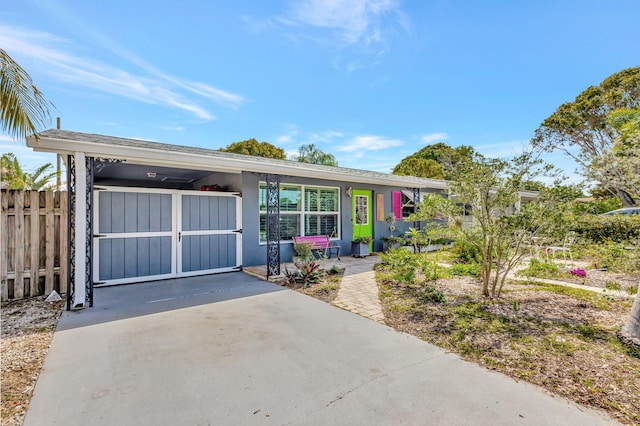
(353,21)
(174,128)
(369,143)
(364,25)
(293,135)
(148,84)
(434,137)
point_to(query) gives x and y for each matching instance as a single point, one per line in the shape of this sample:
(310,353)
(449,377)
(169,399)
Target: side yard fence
(33,243)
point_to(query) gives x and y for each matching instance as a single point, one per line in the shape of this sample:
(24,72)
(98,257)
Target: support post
(80,231)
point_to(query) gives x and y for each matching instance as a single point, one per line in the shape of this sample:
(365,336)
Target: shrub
(540,269)
(432,271)
(334,270)
(597,206)
(612,256)
(428,294)
(470,269)
(303,250)
(399,260)
(362,240)
(615,228)
(466,252)
(309,273)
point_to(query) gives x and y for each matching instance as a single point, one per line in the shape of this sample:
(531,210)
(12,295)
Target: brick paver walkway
(358,291)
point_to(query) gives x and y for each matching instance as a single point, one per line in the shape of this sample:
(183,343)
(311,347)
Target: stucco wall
(254,252)
(230,182)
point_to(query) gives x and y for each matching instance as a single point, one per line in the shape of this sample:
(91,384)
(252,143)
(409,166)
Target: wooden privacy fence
(33,243)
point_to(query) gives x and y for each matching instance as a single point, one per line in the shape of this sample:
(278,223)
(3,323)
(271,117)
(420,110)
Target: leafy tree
(255,148)
(419,167)
(310,154)
(620,165)
(433,161)
(497,229)
(583,129)
(23,109)
(15,177)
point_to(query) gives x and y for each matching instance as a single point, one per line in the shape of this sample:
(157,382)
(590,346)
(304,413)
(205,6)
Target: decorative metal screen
(416,202)
(273,224)
(71,234)
(88,267)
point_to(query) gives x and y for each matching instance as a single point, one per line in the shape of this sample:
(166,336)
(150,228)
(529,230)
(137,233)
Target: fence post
(18,282)
(35,243)
(50,243)
(4,242)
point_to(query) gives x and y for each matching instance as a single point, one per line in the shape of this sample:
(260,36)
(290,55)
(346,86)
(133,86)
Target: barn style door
(145,234)
(210,232)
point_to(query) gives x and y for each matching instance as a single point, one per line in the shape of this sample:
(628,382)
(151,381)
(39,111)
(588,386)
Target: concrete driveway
(233,350)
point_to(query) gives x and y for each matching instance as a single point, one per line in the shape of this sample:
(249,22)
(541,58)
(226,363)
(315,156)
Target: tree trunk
(626,199)
(631,330)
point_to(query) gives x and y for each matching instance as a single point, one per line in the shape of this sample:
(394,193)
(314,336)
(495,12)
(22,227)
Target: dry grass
(556,337)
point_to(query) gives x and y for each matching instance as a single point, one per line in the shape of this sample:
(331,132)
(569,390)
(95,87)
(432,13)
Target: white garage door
(145,234)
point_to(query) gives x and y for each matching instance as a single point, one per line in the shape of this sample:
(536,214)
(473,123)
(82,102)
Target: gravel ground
(27,329)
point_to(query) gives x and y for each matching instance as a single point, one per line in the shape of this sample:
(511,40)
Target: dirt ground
(27,329)
(327,290)
(552,336)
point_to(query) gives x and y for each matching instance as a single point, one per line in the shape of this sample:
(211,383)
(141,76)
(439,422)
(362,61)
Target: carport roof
(137,151)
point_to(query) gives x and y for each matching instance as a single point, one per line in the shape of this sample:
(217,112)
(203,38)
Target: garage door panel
(133,257)
(202,213)
(208,252)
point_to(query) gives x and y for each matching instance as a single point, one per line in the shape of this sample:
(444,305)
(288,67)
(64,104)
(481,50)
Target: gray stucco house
(145,211)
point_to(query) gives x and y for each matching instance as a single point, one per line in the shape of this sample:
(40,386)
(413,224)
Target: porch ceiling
(147,173)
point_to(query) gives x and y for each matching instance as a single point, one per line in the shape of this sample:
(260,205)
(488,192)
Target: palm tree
(23,108)
(311,154)
(13,177)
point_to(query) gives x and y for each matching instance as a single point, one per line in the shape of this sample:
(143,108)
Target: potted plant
(392,241)
(360,246)
(304,254)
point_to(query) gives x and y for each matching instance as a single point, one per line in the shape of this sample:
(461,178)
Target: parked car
(627,211)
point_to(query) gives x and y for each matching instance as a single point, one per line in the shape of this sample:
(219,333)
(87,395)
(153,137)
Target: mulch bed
(27,330)
(563,343)
(327,290)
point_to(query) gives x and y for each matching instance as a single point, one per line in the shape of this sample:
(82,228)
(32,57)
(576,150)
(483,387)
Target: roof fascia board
(139,155)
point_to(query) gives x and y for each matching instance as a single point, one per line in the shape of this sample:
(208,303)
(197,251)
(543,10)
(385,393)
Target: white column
(518,205)
(80,230)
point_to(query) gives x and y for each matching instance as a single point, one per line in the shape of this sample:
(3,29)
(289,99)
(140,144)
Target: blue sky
(369,81)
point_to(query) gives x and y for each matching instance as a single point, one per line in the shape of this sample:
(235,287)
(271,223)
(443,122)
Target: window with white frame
(407,205)
(304,210)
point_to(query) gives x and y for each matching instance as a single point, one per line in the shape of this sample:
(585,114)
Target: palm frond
(23,108)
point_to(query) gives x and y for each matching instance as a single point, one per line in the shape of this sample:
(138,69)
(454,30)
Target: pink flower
(579,272)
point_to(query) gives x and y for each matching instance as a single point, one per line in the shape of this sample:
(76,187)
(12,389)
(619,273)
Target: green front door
(362,214)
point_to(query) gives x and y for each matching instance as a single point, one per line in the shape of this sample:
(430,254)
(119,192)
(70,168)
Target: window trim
(302,212)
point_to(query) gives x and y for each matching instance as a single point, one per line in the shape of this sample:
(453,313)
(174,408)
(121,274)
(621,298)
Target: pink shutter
(396,204)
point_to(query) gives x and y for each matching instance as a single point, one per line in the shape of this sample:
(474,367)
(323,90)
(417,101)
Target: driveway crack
(358,387)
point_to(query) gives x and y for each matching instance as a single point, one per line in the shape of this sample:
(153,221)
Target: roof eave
(215,164)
